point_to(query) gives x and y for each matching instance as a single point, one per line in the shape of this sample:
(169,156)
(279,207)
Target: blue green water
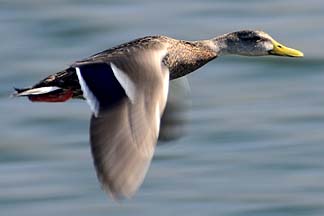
(255,144)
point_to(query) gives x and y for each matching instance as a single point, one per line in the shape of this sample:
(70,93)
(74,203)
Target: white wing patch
(161,105)
(166,82)
(127,84)
(88,95)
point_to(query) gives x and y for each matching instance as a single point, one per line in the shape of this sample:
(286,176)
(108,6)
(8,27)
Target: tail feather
(57,87)
(45,94)
(19,90)
(36,91)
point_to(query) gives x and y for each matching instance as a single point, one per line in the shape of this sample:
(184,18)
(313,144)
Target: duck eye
(248,36)
(251,39)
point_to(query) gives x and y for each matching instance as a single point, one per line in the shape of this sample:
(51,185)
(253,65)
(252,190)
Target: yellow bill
(281,50)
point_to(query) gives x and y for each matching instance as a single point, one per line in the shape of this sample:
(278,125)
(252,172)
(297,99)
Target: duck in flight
(126,88)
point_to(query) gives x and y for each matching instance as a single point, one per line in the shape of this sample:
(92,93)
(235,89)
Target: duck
(127,88)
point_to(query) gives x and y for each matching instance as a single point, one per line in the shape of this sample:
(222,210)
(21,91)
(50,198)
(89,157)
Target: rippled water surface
(255,144)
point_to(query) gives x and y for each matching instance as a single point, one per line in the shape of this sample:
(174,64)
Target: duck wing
(127,96)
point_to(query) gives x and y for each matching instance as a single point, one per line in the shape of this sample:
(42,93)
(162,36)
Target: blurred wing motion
(127,97)
(175,116)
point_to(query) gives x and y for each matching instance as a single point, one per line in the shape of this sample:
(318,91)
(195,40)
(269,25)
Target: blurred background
(255,142)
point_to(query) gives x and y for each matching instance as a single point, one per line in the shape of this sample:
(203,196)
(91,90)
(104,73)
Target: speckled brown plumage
(182,57)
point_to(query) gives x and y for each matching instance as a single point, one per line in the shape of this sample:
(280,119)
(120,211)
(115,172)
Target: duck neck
(222,46)
(185,57)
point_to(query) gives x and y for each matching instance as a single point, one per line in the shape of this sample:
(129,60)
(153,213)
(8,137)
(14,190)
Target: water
(255,144)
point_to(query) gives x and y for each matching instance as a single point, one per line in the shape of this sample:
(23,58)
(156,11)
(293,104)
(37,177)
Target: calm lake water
(255,143)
